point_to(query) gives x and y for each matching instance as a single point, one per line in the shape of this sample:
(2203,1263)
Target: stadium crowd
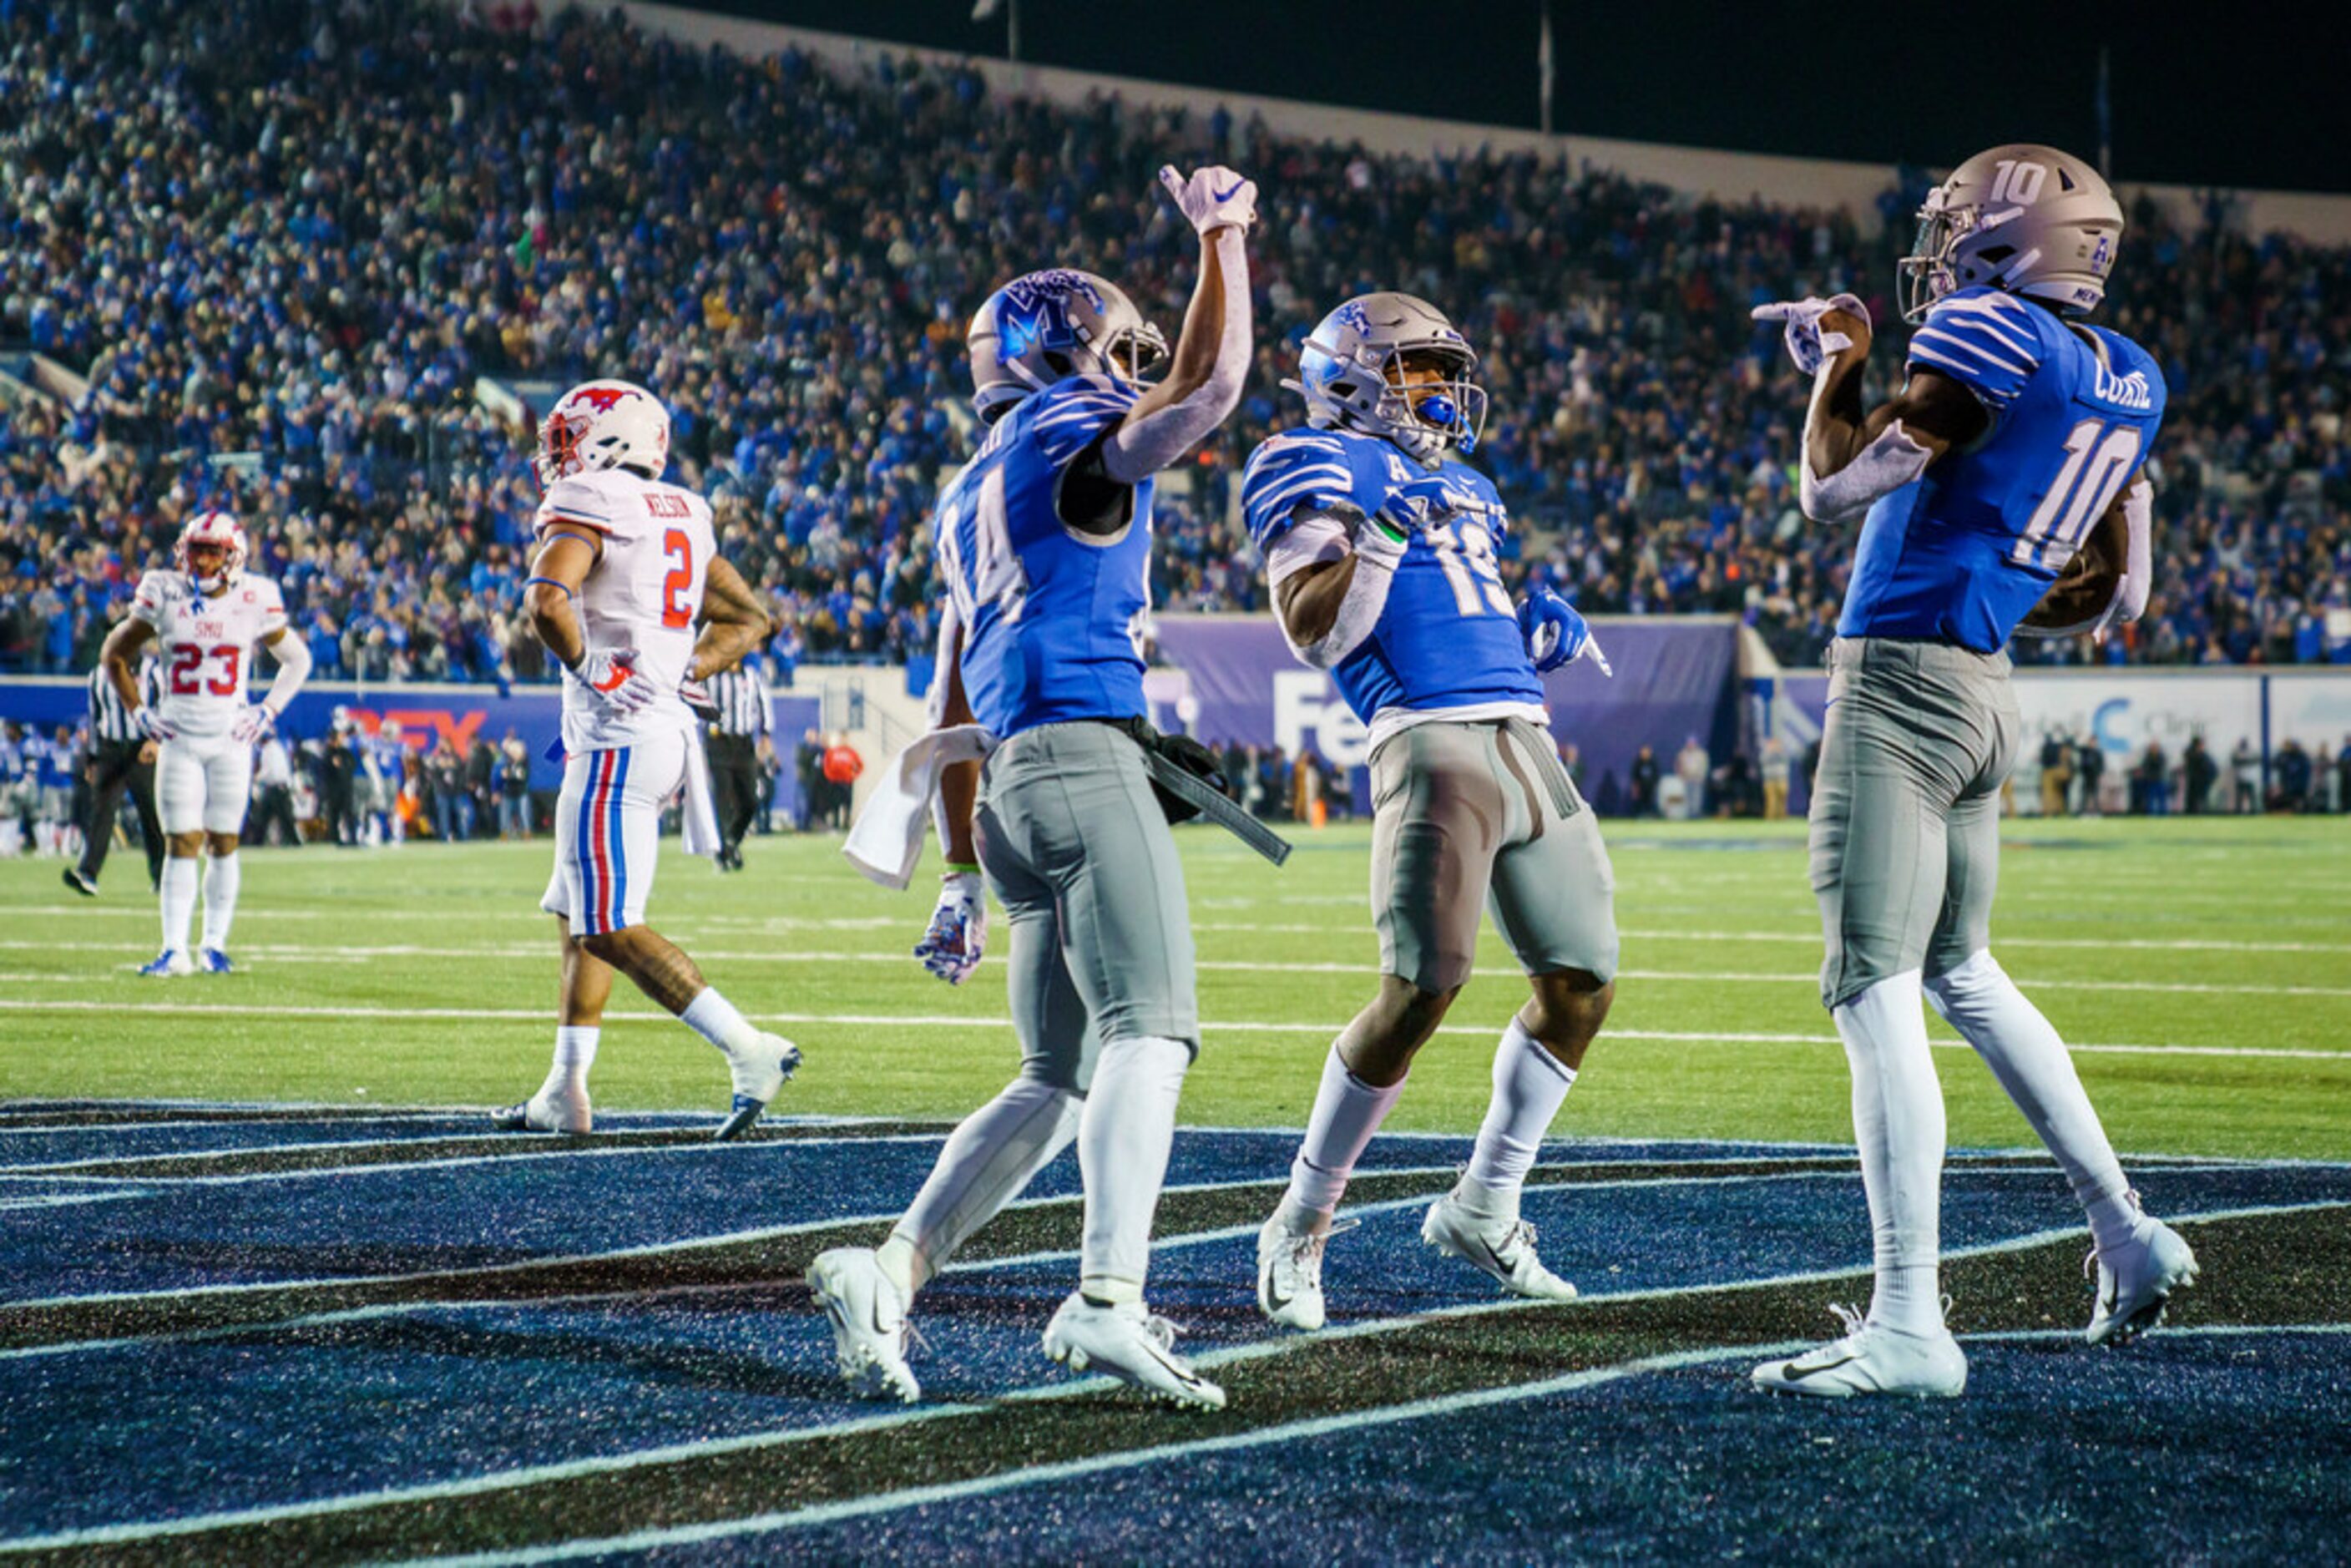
(308,230)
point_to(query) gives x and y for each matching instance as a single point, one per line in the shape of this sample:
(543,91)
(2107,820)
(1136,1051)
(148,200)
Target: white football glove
(1213,198)
(155,726)
(254,725)
(612,674)
(1807,344)
(957,936)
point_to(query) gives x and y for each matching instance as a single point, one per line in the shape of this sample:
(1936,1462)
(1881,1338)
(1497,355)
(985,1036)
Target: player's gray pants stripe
(1905,808)
(1078,850)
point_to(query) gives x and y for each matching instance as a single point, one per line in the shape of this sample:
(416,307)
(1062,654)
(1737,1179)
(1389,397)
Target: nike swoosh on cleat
(1792,1373)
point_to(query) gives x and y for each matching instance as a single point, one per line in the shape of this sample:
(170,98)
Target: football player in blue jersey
(2017,436)
(1379,544)
(1044,541)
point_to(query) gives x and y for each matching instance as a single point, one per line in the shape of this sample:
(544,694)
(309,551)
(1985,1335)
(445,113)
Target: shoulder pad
(578,502)
(1072,414)
(1983,339)
(1299,470)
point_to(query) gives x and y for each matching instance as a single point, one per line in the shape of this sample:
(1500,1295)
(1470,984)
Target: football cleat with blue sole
(759,1075)
(212,961)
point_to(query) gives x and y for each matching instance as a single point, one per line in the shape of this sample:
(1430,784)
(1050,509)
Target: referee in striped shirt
(120,758)
(731,741)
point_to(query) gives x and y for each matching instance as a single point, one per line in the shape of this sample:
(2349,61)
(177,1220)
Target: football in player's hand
(2087,584)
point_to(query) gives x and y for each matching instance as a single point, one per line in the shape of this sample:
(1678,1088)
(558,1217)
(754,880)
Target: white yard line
(951,1022)
(1810,979)
(612,1464)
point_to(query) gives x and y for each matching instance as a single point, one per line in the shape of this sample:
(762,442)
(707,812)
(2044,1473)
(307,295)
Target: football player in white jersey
(206,614)
(627,568)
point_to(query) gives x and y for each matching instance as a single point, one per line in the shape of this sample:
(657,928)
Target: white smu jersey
(643,593)
(205,645)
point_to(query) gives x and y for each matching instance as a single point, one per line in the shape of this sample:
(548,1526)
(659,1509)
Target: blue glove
(1556,635)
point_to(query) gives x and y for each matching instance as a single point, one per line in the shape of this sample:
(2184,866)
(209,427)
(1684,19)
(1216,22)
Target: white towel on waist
(887,838)
(697,819)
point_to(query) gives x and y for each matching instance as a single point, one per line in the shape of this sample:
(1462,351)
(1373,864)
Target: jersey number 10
(2084,487)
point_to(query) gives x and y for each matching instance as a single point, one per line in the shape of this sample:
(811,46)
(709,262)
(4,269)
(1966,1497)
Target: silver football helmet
(1348,373)
(2024,219)
(1043,327)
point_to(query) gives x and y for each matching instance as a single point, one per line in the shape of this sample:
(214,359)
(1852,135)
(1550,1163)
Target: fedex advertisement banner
(1232,679)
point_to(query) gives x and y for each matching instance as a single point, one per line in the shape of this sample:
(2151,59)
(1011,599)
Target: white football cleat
(2136,1282)
(1871,1359)
(1502,1248)
(759,1074)
(545,1113)
(1130,1344)
(869,1322)
(1289,1270)
(170,962)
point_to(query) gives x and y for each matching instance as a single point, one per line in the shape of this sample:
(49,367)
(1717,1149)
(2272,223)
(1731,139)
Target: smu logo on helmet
(601,399)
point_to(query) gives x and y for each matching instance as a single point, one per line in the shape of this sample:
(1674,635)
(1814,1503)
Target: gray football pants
(1079,853)
(1482,815)
(1905,808)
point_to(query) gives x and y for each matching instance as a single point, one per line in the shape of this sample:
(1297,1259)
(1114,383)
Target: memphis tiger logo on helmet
(603,425)
(2023,218)
(1351,371)
(1045,327)
(211,531)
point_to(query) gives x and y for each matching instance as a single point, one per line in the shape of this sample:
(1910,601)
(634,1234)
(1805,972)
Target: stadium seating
(313,254)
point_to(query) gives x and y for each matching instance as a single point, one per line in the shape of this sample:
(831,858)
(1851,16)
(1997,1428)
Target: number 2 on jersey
(2084,487)
(677,547)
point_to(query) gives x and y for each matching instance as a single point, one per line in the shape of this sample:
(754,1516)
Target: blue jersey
(1964,553)
(1448,636)
(1050,616)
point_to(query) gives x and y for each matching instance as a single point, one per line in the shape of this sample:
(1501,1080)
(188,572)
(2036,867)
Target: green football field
(2201,967)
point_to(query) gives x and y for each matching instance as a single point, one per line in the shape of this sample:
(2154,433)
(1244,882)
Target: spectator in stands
(1774,770)
(390,248)
(1691,765)
(842,768)
(2090,768)
(2056,770)
(1645,774)
(2245,775)
(2294,775)
(510,782)
(2198,772)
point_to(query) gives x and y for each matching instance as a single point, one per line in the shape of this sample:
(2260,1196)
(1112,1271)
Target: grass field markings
(314,955)
(1123,1459)
(617,1463)
(1812,938)
(950,1021)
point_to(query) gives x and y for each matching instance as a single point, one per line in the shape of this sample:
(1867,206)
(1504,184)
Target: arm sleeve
(1140,447)
(1302,472)
(293,656)
(1984,340)
(1318,537)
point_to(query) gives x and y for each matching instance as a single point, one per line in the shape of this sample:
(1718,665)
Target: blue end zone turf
(447,1387)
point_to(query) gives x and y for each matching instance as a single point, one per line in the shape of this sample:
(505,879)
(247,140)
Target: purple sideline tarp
(1233,679)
